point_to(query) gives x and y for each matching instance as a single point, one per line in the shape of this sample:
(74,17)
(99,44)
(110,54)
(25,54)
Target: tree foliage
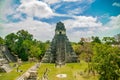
(2,41)
(96,39)
(106,61)
(83,49)
(77,49)
(103,57)
(108,40)
(23,45)
(10,41)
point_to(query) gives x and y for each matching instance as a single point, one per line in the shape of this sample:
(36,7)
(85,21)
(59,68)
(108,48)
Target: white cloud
(45,31)
(116,4)
(82,5)
(94,27)
(76,35)
(71,0)
(40,30)
(76,11)
(111,28)
(86,1)
(6,9)
(56,7)
(114,22)
(57,1)
(82,21)
(26,1)
(87,26)
(51,1)
(35,8)
(89,23)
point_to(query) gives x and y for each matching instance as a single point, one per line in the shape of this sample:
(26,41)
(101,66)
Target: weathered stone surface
(32,75)
(60,50)
(4,53)
(5,58)
(4,66)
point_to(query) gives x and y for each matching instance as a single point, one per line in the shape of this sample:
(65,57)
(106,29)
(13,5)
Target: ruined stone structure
(5,58)
(32,75)
(5,54)
(60,50)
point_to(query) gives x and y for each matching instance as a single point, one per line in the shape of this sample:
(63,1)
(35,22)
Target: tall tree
(96,39)
(23,49)
(10,41)
(23,45)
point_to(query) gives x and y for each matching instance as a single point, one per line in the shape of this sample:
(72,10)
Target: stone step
(6,67)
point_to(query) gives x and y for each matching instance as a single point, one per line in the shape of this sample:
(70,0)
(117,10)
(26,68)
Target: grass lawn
(14,74)
(72,70)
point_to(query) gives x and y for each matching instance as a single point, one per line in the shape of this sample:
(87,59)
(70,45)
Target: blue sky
(82,18)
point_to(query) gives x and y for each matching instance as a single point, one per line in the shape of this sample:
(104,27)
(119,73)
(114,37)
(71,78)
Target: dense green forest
(102,56)
(24,46)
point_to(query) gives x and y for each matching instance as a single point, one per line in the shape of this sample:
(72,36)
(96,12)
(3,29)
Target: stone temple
(60,50)
(6,55)
(5,58)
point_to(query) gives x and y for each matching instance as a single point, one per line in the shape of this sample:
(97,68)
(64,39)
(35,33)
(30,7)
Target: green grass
(14,74)
(72,70)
